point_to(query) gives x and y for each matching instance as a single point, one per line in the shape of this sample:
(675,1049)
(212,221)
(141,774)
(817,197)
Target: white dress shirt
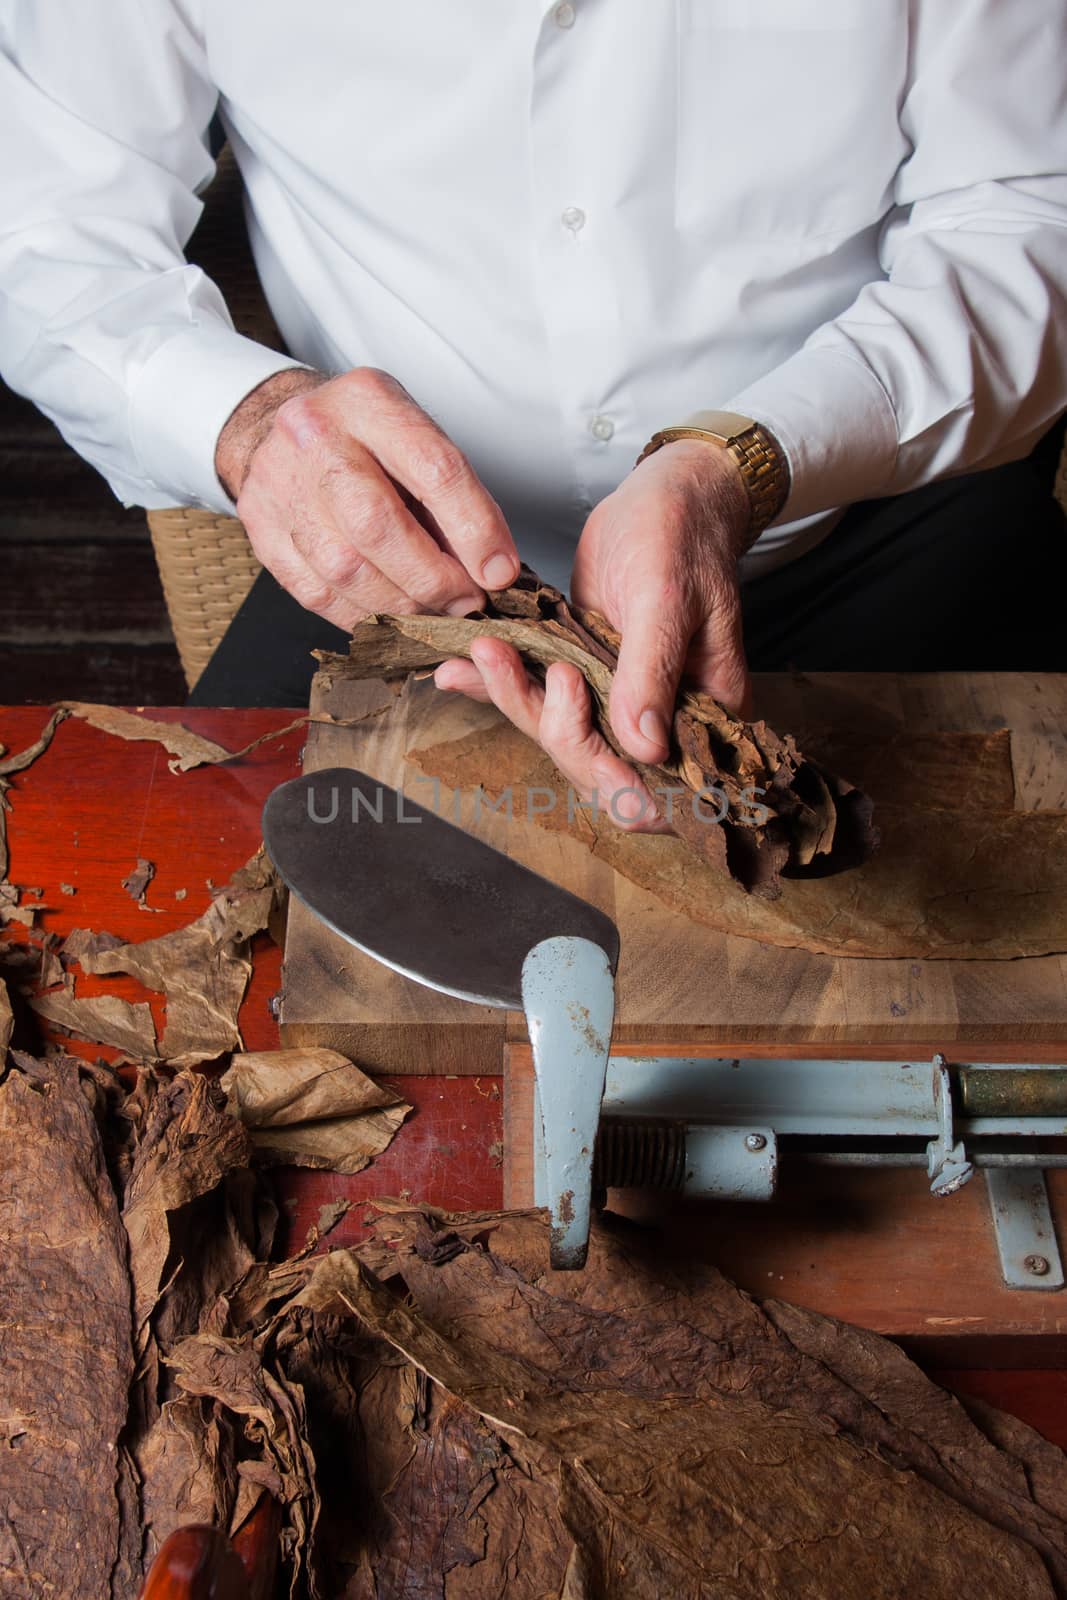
(561,227)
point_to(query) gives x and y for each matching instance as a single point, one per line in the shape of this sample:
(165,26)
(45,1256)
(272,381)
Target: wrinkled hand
(658,557)
(357,502)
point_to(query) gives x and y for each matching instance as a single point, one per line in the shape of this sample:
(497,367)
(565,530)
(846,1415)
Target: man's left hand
(658,558)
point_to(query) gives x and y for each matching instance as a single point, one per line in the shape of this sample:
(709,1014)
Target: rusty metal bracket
(1026,1234)
(946,1159)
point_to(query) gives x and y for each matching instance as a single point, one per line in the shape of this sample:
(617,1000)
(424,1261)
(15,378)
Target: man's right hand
(357,502)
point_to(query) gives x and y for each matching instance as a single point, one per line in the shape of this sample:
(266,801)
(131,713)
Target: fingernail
(499,571)
(652,727)
(463,608)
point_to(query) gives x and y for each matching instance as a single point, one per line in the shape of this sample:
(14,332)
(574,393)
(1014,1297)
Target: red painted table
(92,804)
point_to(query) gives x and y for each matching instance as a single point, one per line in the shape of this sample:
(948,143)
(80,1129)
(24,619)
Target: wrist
(709,480)
(725,498)
(250,422)
(759,460)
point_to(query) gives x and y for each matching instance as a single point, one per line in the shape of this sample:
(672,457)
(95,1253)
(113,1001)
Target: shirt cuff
(181,401)
(835,423)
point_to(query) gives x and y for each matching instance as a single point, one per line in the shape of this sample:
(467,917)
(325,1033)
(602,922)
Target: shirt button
(602,428)
(565,14)
(573,218)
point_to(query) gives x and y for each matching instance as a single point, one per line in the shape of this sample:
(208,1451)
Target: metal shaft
(1013,1092)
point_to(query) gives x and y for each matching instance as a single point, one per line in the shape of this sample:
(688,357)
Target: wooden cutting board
(685,988)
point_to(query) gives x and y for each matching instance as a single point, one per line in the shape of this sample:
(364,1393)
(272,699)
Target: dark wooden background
(81,609)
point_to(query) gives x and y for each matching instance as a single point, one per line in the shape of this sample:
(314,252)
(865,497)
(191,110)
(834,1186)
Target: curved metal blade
(416,892)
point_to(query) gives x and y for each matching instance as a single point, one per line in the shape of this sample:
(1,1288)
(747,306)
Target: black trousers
(968,574)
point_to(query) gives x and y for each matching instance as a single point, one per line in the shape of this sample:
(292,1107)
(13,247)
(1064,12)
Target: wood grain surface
(681,984)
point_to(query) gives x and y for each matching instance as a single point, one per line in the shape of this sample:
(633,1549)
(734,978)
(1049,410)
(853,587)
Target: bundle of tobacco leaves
(784,814)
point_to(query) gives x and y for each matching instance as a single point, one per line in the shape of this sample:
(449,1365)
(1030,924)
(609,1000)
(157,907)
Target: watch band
(761,463)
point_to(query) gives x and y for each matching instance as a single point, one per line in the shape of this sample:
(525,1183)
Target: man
(562,230)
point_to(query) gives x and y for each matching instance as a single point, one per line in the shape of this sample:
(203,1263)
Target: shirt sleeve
(104,113)
(957,359)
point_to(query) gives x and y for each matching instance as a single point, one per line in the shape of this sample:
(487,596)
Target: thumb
(656,631)
(717,661)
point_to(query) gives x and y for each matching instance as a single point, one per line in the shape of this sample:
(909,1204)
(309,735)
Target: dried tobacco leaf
(784,814)
(797,1360)
(312,1108)
(186,1147)
(419,1496)
(697,1448)
(187,1465)
(460,1421)
(96,1475)
(50,971)
(10,909)
(203,970)
(197,1222)
(9,765)
(137,881)
(347,1145)
(188,749)
(6,1021)
(104,1019)
(233,1373)
(277,1088)
(66,1358)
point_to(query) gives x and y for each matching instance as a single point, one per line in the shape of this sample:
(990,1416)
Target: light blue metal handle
(568,994)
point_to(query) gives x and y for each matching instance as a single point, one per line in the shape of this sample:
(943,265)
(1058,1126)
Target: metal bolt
(1038,1265)
(757,1141)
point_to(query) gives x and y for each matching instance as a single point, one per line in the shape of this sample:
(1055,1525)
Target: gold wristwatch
(761,463)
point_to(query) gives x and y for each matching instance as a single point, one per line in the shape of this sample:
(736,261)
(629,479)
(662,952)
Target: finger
(657,625)
(591,768)
(414,450)
(357,517)
(308,589)
(306,586)
(459,676)
(583,755)
(508,684)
